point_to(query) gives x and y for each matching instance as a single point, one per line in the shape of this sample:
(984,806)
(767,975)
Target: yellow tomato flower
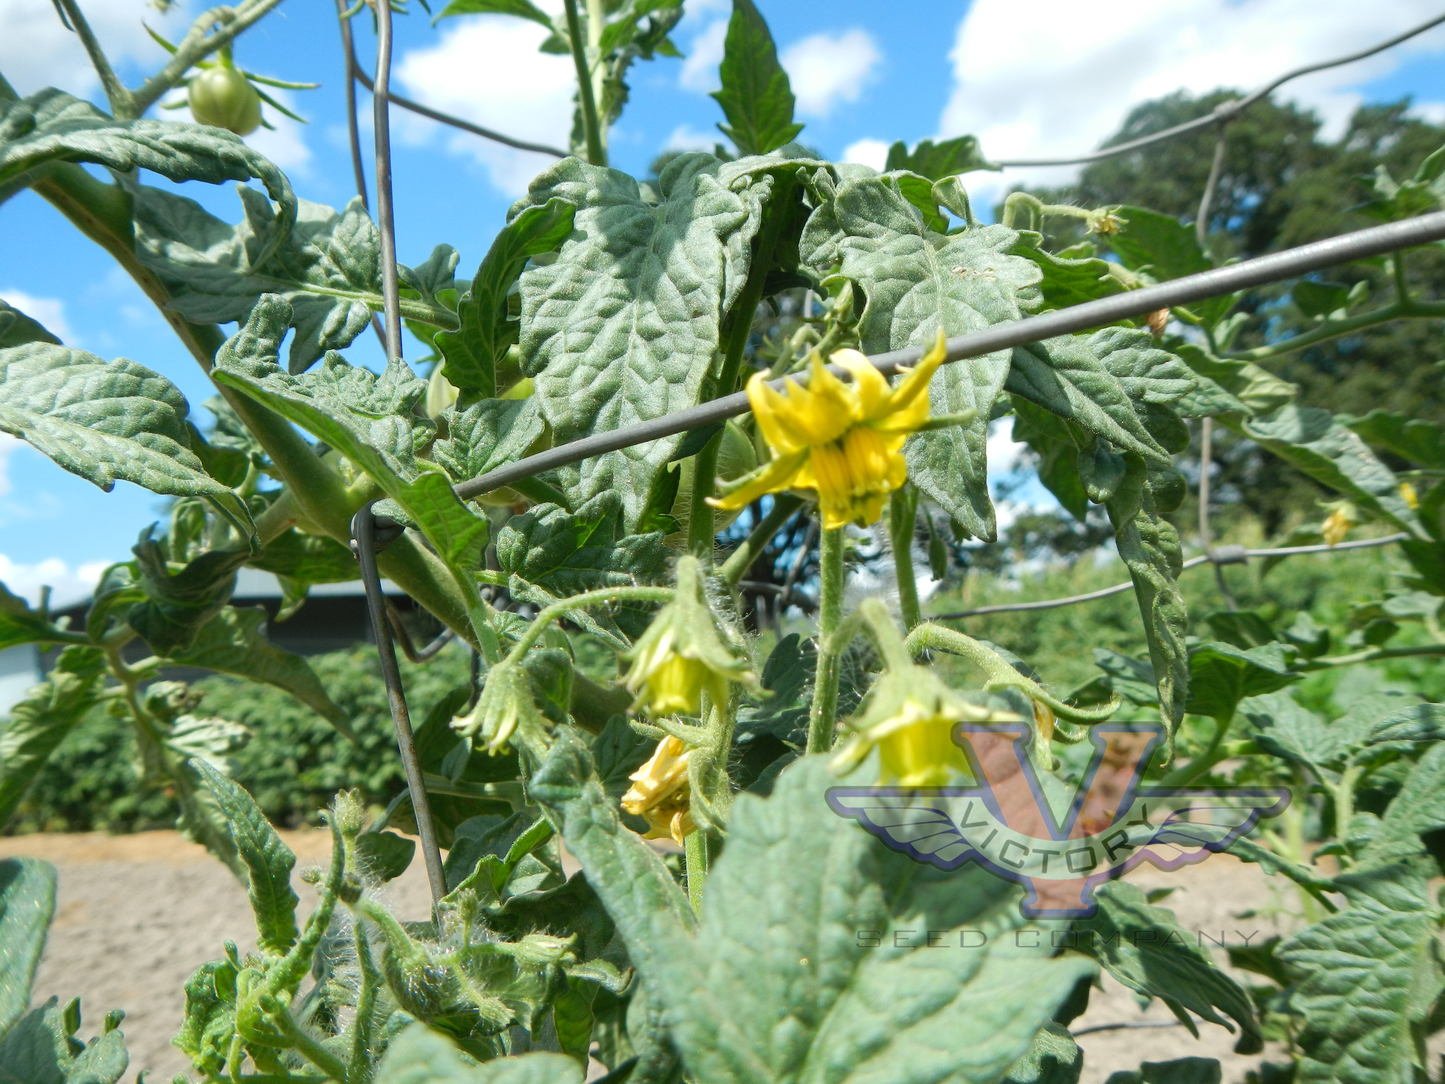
(660,792)
(1337,526)
(916,747)
(843,440)
(667,681)
(1409,496)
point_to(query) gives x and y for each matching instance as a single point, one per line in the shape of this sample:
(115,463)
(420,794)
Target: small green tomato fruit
(222,98)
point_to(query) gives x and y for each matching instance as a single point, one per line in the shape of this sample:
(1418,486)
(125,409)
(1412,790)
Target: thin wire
(1193,562)
(1290,263)
(1225,111)
(354,130)
(363,531)
(385,219)
(457,122)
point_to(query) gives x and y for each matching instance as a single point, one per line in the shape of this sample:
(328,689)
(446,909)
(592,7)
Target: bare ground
(137,914)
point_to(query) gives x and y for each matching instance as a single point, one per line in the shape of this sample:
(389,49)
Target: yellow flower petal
(776,475)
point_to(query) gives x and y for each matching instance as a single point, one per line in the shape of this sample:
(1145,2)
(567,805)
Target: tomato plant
(728,286)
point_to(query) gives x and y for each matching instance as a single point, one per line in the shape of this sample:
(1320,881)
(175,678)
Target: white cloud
(49,311)
(867,152)
(1066,85)
(516,90)
(687,138)
(285,143)
(1002,450)
(36,51)
(826,69)
(699,70)
(67,585)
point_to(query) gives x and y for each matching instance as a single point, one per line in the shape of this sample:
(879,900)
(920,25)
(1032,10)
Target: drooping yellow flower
(1409,496)
(843,440)
(1337,526)
(660,792)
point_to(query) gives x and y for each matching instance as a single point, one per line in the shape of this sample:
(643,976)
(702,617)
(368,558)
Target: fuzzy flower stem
(695,854)
(742,558)
(885,634)
(579,602)
(823,717)
(902,516)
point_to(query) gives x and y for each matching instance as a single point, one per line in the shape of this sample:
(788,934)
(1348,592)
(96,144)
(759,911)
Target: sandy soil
(120,940)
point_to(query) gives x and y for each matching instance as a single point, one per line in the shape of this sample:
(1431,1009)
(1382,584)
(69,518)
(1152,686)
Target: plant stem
(115,92)
(742,558)
(309,1048)
(385,219)
(1333,329)
(1343,793)
(359,1071)
(596,149)
(694,846)
(823,718)
(739,327)
(885,635)
(577,602)
(902,516)
(1402,281)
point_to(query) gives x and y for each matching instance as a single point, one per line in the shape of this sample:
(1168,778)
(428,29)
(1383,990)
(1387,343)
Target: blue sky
(865,74)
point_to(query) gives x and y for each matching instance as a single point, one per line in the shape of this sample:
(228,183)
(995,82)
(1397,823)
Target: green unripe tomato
(222,98)
(736,456)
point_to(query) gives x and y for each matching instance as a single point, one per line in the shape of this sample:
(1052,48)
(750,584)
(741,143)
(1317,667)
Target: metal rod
(1226,111)
(363,531)
(1194,562)
(1092,314)
(385,219)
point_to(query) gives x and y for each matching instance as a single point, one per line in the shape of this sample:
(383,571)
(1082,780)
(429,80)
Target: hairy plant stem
(823,716)
(587,101)
(694,847)
(578,602)
(902,517)
(884,632)
(1343,793)
(741,559)
(700,524)
(1333,329)
(115,91)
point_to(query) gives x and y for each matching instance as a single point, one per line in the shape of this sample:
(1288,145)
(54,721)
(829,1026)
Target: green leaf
(234,642)
(328,267)
(755,97)
(1414,811)
(1058,465)
(268,861)
(40,722)
(1161,247)
(177,605)
(787,901)
(571,552)
(938,160)
(106,421)
(27,904)
(42,1049)
(1052,1058)
(368,418)
(1285,729)
(487,434)
(1370,975)
(19,624)
(1418,441)
(299,560)
(523,9)
(1067,377)
(1149,547)
(1221,675)
(1225,386)
(916,282)
(1178,1071)
(1146,949)
(623,326)
(1068,281)
(52,126)
(421,1056)
(1319,299)
(1314,442)
(1418,722)
(384,856)
(472,353)
(16,328)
